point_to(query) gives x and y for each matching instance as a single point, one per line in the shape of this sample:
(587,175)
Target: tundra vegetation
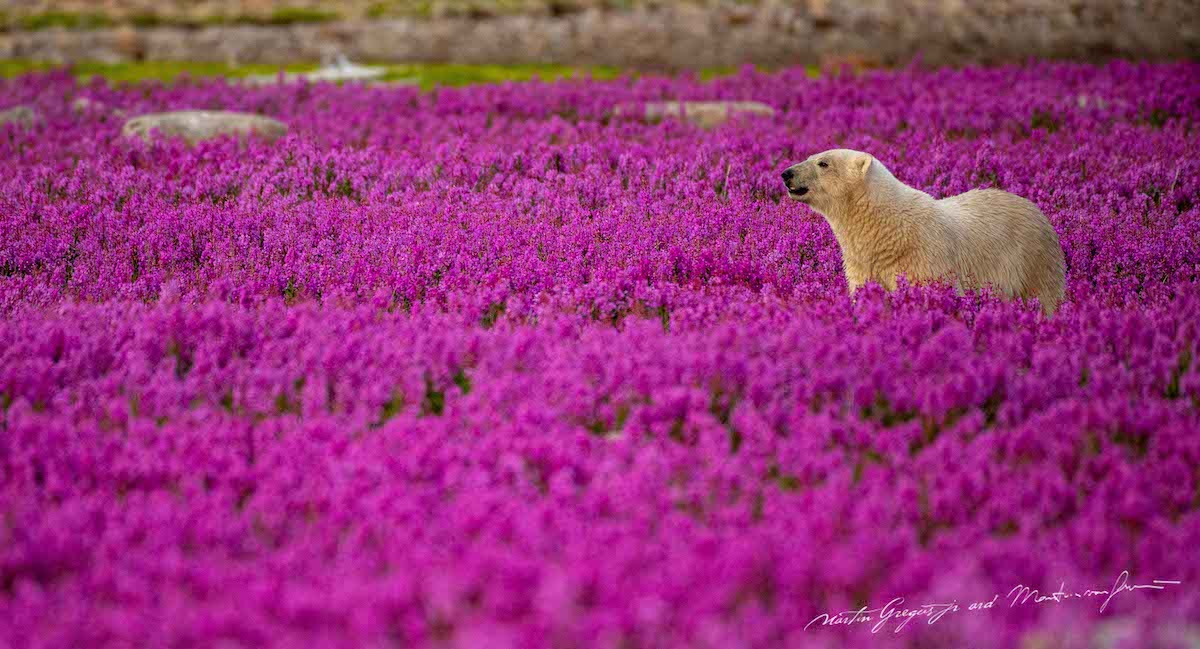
(494,366)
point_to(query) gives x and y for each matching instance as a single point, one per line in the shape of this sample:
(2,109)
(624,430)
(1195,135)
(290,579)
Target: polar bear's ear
(862,162)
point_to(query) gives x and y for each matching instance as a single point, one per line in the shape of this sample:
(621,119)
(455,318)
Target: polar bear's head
(827,178)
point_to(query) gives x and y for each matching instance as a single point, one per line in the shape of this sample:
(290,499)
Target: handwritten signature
(895,612)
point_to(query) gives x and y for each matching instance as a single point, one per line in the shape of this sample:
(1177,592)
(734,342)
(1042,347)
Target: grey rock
(197,125)
(705,114)
(82,105)
(22,116)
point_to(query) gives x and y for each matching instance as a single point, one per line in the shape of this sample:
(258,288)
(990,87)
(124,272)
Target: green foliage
(63,20)
(463,381)
(434,402)
(429,75)
(1158,117)
(391,408)
(293,16)
(143,70)
(708,74)
(493,313)
(425,75)
(1181,367)
(96,20)
(147,19)
(1044,119)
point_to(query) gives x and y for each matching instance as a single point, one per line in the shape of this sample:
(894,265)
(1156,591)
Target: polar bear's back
(1005,241)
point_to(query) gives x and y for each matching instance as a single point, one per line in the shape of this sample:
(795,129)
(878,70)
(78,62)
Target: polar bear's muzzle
(790,180)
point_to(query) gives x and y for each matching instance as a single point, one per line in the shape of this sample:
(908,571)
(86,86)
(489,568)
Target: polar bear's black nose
(787,175)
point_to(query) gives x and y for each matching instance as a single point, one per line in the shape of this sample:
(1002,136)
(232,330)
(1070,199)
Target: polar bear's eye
(822,164)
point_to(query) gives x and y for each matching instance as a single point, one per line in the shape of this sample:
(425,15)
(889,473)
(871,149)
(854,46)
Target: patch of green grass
(145,70)
(421,9)
(296,15)
(64,19)
(429,75)
(281,16)
(708,74)
(426,75)
(148,19)
(15,67)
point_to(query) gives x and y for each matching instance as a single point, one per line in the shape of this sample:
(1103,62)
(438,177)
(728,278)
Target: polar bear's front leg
(888,282)
(855,278)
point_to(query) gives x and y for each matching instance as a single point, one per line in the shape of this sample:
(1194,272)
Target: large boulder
(197,125)
(706,114)
(23,116)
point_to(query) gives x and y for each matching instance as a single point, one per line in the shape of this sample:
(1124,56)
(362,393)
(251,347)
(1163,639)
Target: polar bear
(886,228)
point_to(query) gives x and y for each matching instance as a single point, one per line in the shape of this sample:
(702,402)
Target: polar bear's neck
(883,196)
(881,218)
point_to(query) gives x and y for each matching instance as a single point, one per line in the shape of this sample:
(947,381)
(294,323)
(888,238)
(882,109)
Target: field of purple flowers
(487,367)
